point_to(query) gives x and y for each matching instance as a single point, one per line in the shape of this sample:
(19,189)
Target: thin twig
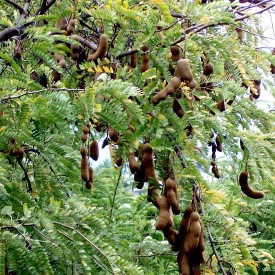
(115,192)
(18,7)
(26,175)
(8,98)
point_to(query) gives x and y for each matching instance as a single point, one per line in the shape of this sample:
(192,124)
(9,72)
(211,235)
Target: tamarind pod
(170,191)
(256,90)
(192,240)
(177,108)
(147,161)
(83,152)
(196,259)
(144,65)
(183,263)
(17,53)
(71,26)
(20,153)
(84,166)
(272,68)
(175,51)
(12,140)
(144,59)
(113,134)
(89,185)
(85,130)
(192,84)
(133,62)
(12,150)
(119,162)
(221,104)
(240,33)
(133,164)
(247,190)
(218,144)
(189,129)
(74,56)
(183,228)
(101,48)
(242,145)
(164,215)
(61,23)
(56,76)
(172,86)
(170,234)
(208,69)
(201,244)
(84,137)
(214,148)
(58,57)
(183,70)
(94,150)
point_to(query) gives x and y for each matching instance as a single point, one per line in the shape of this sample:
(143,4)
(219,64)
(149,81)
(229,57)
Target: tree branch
(7,33)
(26,175)
(8,98)
(18,7)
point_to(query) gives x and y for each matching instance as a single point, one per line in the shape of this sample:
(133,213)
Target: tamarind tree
(172,87)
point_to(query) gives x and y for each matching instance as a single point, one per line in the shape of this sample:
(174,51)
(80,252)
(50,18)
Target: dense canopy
(181,92)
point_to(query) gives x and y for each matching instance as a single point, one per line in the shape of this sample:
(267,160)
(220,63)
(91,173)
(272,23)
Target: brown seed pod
(101,48)
(94,150)
(242,145)
(177,108)
(164,215)
(218,143)
(170,233)
(147,161)
(184,224)
(208,69)
(71,26)
(183,263)
(221,104)
(119,162)
(20,153)
(183,70)
(113,134)
(256,90)
(85,130)
(133,164)
(83,151)
(243,181)
(215,171)
(172,86)
(84,166)
(240,33)
(61,23)
(176,53)
(84,137)
(60,60)
(133,62)
(89,183)
(192,239)
(17,53)
(171,193)
(192,84)
(144,59)
(56,76)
